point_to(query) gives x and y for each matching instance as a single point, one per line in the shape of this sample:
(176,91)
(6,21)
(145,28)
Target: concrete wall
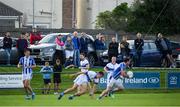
(45,19)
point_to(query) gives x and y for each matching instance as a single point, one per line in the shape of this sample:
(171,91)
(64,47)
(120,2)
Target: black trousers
(60,55)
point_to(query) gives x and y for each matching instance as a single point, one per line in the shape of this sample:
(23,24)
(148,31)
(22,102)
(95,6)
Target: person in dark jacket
(57,69)
(124,45)
(7,46)
(22,45)
(84,44)
(113,48)
(138,43)
(164,46)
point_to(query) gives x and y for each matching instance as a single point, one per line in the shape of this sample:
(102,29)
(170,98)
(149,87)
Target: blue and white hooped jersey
(111,67)
(26,61)
(84,63)
(117,72)
(91,77)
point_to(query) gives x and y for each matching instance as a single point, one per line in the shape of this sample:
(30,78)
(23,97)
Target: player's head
(127,61)
(100,74)
(27,52)
(46,63)
(113,59)
(82,56)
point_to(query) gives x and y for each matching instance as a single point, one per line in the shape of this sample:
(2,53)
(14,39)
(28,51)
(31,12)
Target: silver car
(45,49)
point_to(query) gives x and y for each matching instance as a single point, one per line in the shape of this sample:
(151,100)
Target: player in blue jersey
(27,63)
(115,78)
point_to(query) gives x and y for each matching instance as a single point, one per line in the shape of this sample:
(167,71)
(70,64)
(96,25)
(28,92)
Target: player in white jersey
(82,84)
(84,63)
(110,67)
(27,63)
(115,78)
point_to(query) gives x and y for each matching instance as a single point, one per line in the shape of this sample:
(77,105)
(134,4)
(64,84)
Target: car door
(3,55)
(14,53)
(155,55)
(145,57)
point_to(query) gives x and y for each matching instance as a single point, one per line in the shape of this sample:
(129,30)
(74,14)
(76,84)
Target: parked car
(14,52)
(45,49)
(176,52)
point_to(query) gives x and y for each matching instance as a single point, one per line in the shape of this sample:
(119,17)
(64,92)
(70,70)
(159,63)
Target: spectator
(57,75)
(84,43)
(60,48)
(69,48)
(22,45)
(164,46)
(46,71)
(77,47)
(35,36)
(138,43)
(100,45)
(69,63)
(7,45)
(113,49)
(124,45)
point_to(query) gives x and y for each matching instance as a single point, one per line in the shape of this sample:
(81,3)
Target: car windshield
(48,39)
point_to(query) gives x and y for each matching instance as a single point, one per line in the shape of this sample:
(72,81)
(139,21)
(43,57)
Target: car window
(1,42)
(175,45)
(152,46)
(48,39)
(146,46)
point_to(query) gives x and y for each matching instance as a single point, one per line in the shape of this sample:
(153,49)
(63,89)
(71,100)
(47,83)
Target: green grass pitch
(158,99)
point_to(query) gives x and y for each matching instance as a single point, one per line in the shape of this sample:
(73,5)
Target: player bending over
(27,63)
(109,69)
(115,79)
(81,84)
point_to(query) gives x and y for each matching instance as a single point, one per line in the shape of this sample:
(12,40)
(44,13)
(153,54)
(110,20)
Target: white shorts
(26,76)
(69,53)
(116,83)
(81,79)
(108,78)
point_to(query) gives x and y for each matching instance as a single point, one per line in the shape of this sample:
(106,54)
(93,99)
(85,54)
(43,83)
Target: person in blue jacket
(47,72)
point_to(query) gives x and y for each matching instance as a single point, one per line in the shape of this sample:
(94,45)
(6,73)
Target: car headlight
(48,51)
(178,58)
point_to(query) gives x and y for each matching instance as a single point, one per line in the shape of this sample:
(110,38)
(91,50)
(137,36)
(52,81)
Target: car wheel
(91,60)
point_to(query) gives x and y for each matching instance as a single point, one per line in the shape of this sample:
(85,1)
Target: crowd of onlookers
(69,49)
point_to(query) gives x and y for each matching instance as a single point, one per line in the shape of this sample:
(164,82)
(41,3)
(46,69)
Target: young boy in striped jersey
(27,63)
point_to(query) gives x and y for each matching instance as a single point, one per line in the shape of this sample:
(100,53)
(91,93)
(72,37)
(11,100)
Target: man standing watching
(113,49)
(138,43)
(27,63)
(22,44)
(77,47)
(7,45)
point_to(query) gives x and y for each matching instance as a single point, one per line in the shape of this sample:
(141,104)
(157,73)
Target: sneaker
(33,96)
(27,97)
(71,97)
(60,96)
(99,98)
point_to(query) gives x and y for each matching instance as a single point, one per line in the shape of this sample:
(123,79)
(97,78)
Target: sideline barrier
(173,80)
(141,80)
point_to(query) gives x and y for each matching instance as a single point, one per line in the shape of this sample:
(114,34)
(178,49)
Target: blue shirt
(25,62)
(76,42)
(46,71)
(117,72)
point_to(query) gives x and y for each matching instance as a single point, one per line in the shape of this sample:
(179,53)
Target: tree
(116,20)
(145,16)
